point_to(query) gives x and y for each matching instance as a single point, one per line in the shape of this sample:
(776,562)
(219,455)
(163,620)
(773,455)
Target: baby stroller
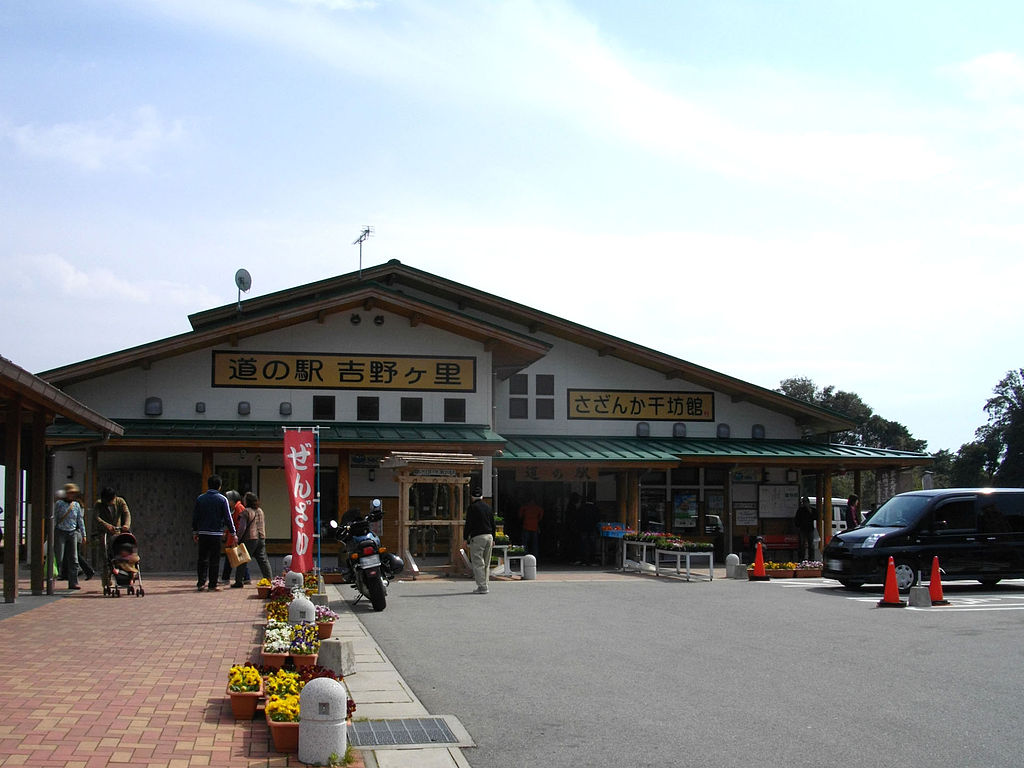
(123,560)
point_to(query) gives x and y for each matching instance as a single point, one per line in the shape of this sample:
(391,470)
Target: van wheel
(906,576)
(852,585)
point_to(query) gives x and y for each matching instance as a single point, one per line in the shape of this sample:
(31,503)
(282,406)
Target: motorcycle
(370,567)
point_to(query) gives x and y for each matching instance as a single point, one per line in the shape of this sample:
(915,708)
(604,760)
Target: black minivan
(977,533)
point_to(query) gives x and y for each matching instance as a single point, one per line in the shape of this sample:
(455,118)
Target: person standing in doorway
(530,515)
(110,516)
(479,532)
(590,517)
(211,515)
(852,511)
(804,522)
(69,524)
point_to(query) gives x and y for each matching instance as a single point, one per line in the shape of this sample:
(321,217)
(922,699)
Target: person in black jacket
(803,520)
(479,532)
(211,515)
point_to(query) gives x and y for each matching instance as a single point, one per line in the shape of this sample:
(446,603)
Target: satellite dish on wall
(244,282)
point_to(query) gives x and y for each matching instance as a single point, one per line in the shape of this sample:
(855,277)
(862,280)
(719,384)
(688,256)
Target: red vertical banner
(299,469)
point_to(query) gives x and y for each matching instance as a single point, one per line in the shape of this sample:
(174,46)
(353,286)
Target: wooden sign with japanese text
(340,371)
(636,405)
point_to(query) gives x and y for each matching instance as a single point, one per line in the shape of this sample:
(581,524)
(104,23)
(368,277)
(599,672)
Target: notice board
(777,500)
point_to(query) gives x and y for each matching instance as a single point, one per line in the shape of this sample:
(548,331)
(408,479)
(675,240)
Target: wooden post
(39,505)
(12,498)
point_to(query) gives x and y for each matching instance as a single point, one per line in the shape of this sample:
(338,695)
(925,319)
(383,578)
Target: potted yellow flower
(282,713)
(263,588)
(245,689)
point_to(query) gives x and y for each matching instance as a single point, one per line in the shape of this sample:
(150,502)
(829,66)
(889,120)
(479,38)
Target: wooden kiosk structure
(449,471)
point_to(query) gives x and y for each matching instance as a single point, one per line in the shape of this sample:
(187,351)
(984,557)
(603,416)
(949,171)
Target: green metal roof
(529,448)
(242,431)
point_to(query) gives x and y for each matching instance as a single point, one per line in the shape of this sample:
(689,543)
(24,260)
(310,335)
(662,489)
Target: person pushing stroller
(110,517)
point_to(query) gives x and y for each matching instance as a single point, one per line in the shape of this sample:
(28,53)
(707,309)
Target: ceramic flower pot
(303,660)
(243,703)
(284,735)
(324,629)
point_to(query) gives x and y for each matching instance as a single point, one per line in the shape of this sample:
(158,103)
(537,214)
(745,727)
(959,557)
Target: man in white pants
(479,532)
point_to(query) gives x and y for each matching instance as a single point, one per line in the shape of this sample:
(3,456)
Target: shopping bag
(237,555)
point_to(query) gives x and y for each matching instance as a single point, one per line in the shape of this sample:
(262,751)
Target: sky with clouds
(820,188)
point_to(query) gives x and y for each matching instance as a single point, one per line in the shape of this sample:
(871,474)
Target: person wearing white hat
(69,524)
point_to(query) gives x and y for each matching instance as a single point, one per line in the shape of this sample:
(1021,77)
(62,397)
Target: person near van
(852,511)
(804,522)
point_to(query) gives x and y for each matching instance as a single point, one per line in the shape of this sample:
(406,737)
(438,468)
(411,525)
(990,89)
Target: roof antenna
(363,237)
(244,282)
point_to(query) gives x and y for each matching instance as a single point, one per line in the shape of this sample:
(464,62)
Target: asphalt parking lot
(645,671)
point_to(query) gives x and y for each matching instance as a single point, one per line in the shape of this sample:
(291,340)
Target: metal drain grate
(401,732)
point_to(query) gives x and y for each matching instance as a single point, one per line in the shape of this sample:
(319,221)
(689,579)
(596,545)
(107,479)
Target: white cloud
(548,58)
(996,77)
(130,142)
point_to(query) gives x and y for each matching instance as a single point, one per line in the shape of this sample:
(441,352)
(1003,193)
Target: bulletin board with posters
(777,500)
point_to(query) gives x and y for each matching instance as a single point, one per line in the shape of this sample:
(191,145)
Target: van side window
(957,515)
(1002,513)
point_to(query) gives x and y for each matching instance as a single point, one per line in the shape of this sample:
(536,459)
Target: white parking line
(956,604)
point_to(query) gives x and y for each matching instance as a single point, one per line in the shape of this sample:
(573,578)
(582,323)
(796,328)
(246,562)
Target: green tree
(1005,429)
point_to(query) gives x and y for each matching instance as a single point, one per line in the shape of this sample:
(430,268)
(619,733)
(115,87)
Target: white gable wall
(578,367)
(184,380)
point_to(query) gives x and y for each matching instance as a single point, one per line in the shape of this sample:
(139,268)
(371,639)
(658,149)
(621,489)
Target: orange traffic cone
(935,584)
(891,596)
(759,574)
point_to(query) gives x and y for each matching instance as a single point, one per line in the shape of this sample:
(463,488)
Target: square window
(545,407)
(519,384)
(412,409)
(368,409)
(518,408)
(455,409)
(323,407)
(545,384)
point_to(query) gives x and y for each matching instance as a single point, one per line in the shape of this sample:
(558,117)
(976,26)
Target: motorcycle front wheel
(375,591)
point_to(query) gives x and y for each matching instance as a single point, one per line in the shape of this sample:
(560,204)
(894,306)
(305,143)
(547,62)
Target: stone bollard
(529,567)
(322,731)
(337,655)
(301,609)
(294,580)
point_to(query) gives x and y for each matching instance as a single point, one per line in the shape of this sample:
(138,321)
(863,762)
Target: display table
(678,556)
(505,567)
(641,546)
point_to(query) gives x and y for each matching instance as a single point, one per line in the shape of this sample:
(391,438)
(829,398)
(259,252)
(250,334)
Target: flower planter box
(779,573)
(808,573)
(243,703)
(303,659)
(333,578)
(284,735)
(263,592)
(274,660)
(324,629)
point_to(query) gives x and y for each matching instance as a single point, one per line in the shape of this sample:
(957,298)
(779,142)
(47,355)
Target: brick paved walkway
(88,681)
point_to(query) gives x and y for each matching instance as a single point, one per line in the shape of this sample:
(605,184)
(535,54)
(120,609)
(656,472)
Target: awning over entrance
(190,432)
(650,452)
